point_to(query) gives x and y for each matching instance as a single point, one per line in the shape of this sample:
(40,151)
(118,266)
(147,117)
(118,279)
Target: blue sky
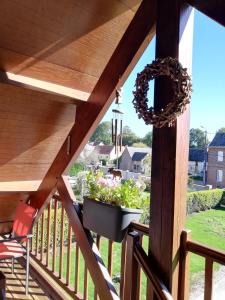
(208,78)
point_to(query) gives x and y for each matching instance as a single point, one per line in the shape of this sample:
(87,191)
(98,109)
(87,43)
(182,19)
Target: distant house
(196,161)
(216,161)
(106,152)
(133,158)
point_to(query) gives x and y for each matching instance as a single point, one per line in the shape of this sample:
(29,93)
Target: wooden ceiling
(65,42)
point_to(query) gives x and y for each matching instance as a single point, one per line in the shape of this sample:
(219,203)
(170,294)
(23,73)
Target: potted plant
(110,205)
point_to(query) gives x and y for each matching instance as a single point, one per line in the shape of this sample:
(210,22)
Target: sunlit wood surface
(15,284)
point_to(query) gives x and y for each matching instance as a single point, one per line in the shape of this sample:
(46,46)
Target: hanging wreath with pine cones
(182,89)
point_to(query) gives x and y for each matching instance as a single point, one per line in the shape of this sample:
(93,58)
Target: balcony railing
(56,248)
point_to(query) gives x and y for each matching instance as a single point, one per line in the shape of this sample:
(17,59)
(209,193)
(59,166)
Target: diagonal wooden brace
(99,273)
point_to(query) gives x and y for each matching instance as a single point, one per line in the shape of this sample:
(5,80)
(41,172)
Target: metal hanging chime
(117,123)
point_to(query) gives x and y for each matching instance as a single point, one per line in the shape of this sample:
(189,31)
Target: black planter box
(108,220)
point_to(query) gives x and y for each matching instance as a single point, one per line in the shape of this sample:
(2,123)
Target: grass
(207,227)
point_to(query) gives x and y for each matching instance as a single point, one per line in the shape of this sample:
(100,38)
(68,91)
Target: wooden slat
(42,236)
(85,282)
(141,228)
(131,291)
(183,288)
(98,244)
(77,268)
(48,235)
(208,279)
(61,93)
(100,99)
(214,9)
(95,264)
(37,239)
(110,257)
(123,267)
(55,237)
(170,145)
(68,254)
(61,243)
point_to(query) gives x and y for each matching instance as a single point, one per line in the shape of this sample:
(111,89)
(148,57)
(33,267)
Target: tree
(129,137)
(103,133)
(139,145)
(222,129)
(198,138)
(147,139)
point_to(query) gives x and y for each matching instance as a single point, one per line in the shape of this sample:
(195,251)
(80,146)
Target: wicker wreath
(181,85)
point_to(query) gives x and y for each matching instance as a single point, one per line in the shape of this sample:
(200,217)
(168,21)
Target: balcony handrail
(206,251)
(143,229)
(145,263)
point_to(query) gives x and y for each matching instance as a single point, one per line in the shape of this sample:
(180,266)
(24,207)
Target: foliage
(102,133)
(76,168)
(139,145)
(79,187)
(198,138)
(203,200)
(147,139)
(112,191)
(222,129)
(129,137)
(147,164)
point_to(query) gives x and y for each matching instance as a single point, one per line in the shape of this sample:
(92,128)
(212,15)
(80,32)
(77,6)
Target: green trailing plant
(127,194)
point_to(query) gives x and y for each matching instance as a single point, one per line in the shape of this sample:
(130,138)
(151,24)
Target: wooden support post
(208,279)
(131,290)
(170,146)
(95,265)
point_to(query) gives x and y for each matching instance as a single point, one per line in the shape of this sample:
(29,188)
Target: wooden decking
(15,283)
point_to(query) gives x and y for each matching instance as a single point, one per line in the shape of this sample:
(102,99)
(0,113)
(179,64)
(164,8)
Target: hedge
(204,200)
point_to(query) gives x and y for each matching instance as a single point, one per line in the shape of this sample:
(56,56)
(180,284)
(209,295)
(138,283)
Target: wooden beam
(170,146)
(98,271)
(70,95)
(214,9)
(89,114)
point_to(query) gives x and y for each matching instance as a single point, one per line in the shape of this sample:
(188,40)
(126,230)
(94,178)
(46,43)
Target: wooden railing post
(131,290)
(208,278)
(183,289)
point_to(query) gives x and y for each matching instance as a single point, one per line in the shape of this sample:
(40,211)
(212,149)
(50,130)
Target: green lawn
(207,227)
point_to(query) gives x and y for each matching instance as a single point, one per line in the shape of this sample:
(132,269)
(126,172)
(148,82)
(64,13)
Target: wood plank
(48,235)
(214,9)
(208,291)
(55,236)
(73,35)
(140,27)
(98,271)
(70,95)
(62,224)
(68,264)
(170,146)
(77,269)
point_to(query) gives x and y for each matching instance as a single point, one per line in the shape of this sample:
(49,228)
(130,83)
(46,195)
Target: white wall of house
(195,169)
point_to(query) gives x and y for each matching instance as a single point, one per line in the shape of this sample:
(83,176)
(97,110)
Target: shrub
(203,200)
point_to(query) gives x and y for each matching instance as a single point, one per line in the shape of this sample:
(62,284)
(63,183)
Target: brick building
(216,161)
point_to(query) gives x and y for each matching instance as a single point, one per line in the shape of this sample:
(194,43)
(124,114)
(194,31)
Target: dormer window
(220,156)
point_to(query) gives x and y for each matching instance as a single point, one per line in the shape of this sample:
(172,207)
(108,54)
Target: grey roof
(196,154)
(132,150)
(218,140)
(138,156)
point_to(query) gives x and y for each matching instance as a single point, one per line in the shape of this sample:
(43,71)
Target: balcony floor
(15,283)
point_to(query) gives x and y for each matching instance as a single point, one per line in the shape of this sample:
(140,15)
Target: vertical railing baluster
(77,268)
(48,235)
(208,278)
(68,254)
(123,266)
(98,244)
(110,257)
(37,239)
(55,236)
(85,282)
(61,243)
(42,236)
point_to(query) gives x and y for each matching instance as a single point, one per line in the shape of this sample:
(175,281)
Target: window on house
(134,167)
(220,156)
(219,176)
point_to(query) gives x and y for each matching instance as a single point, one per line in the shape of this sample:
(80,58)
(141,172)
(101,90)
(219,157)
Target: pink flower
(102,181)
